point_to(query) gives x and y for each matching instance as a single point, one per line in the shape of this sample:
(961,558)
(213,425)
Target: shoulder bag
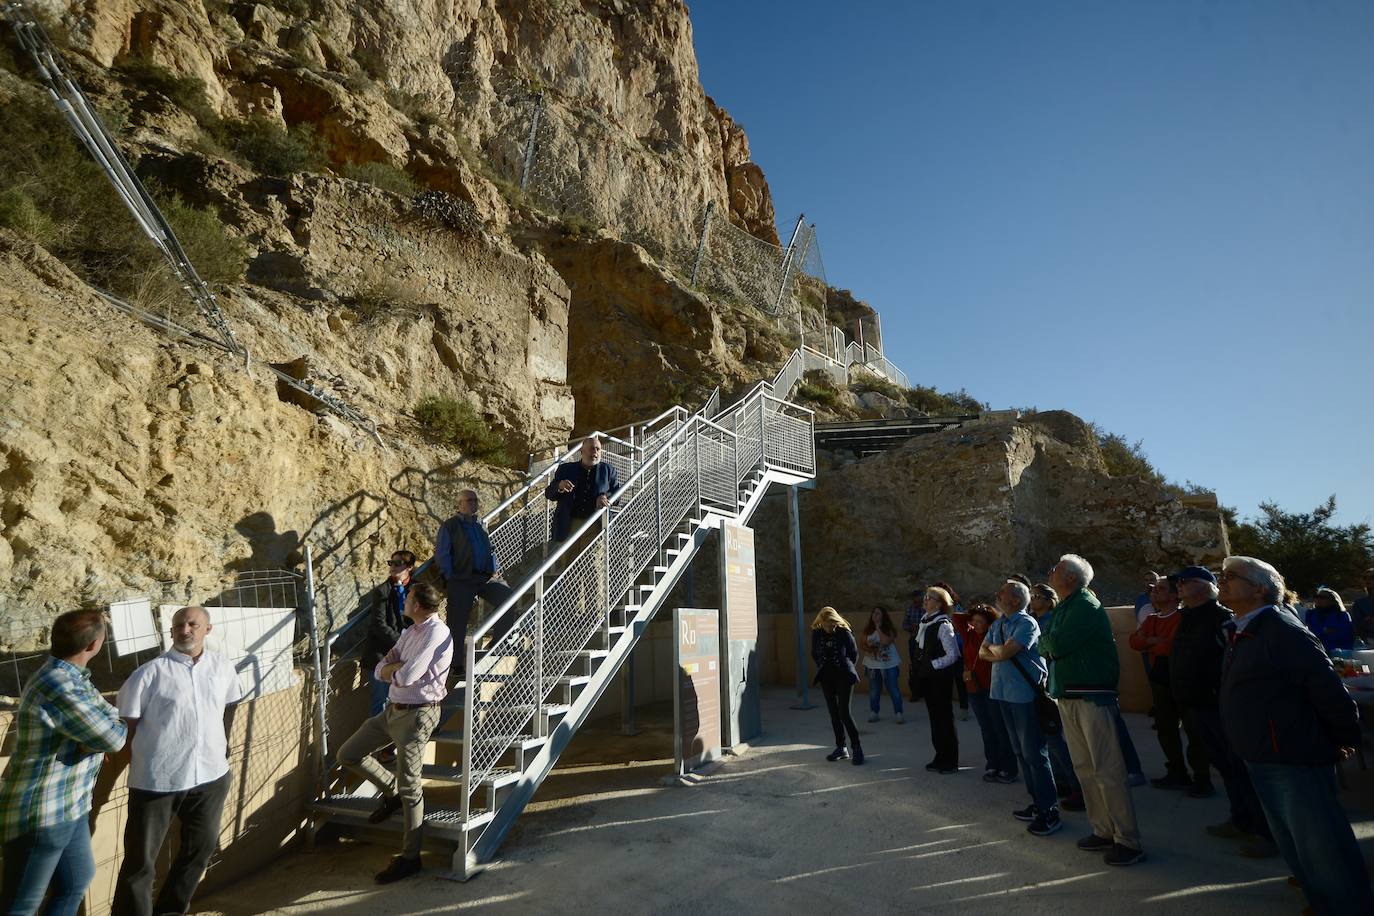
(1046,709)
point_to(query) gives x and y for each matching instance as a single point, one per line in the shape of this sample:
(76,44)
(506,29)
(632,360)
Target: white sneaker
(900,719)
(873,717)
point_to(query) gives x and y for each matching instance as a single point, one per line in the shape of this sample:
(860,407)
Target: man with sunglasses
(465,557)
(387,620)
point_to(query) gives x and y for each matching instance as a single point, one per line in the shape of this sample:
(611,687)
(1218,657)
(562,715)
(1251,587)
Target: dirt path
(780,830)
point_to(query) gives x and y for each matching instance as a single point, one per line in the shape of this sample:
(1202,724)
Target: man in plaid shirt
(63,729)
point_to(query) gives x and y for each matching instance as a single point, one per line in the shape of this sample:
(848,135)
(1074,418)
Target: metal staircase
(578,615)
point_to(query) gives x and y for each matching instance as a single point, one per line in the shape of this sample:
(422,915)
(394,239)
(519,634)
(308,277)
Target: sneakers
(1025,814)
(1005,778)
(839,753)
(1226,831)
(1202,790)
(1123,855)
(1074,801)
(1045,824)
(990,775)
(1259,848)
(1094,843)
(873,717)
(858,759)
(1136,779)
(390,805)
(901,719)
(1172,782)
(400,867)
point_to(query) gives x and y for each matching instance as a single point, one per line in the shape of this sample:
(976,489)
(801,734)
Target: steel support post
(798,611)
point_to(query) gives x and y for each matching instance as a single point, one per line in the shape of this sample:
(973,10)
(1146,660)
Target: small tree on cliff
(1305,546)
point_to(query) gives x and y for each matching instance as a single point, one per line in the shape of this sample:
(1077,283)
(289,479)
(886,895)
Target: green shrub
(414,105)
(383,175)
(880,385)
(936,403)
(268,147)
(185,92)
(455,424)
(817,394)
(53,193)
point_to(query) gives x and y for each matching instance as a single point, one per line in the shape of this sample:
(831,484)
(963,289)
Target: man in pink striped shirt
(416,668)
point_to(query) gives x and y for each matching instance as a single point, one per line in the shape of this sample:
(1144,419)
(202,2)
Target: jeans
(1028,742)
(1246,811)
(1314,835)
(379,692)
(58,857)
(1123,737)
(877,679)
(838,693)
(1093,733)
(409,730)
(1061,763)
(997,749)
(150,815)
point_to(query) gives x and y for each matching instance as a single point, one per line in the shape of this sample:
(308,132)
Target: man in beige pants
(1084,671)
(417,669)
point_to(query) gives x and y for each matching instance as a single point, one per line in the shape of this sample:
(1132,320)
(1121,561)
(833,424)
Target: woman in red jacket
(977,677)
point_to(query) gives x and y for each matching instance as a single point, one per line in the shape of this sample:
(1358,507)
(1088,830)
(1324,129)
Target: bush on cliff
(454,423)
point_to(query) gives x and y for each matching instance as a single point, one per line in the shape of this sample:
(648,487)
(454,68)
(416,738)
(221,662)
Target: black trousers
(462,595)
(150,815)
(938,693)
(1167,721)
(959,684)
(1246,811)
(838,693)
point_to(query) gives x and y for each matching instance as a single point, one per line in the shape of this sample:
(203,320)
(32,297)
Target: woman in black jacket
(834,651)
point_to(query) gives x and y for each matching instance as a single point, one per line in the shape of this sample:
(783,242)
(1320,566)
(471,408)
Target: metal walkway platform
(868,437)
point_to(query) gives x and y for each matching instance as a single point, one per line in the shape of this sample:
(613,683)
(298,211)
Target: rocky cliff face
(971,505)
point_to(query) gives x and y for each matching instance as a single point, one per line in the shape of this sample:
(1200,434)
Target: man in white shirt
(179,765)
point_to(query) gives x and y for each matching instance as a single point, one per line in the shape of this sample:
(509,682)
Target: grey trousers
(409,730)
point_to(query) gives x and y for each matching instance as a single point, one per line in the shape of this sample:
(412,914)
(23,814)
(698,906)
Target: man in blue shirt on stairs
(465,558)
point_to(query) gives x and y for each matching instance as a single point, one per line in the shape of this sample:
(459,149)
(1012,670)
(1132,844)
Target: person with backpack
(1017,691)
(935,656)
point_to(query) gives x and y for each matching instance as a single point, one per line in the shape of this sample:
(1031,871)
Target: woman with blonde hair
(934,662)
(834,651)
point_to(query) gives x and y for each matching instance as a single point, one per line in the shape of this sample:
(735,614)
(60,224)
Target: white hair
(1021,592)
(1258,573)
(1080,568)
(1332,594)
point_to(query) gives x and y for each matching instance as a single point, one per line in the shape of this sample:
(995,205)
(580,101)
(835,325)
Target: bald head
(190,626)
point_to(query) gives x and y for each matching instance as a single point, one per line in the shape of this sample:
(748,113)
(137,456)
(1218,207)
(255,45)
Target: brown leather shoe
(400,867)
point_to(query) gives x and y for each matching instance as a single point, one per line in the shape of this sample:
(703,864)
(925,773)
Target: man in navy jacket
(1289,717)
(580,488)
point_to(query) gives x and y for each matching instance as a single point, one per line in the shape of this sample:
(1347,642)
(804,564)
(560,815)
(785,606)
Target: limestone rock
(971,505)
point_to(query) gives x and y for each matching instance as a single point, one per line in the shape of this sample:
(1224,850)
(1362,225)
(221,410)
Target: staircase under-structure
(576,617)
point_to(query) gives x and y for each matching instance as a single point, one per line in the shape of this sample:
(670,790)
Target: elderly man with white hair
(1018,674)
(1290,719)
(1084,671)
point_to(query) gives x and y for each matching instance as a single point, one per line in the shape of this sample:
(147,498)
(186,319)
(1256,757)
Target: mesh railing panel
(716,468)
(791,440)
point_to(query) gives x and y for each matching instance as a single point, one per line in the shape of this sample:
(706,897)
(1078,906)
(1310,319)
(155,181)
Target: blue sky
(1157,214)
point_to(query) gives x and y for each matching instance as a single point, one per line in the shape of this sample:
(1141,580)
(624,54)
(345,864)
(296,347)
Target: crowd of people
(1234,668)
(170,721)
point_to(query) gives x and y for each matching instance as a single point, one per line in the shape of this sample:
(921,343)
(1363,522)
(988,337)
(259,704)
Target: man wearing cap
(1195,680)
(179,765)
(1289,716)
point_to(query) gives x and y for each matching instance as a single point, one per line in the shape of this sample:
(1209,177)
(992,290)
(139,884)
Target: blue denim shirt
(1007,683)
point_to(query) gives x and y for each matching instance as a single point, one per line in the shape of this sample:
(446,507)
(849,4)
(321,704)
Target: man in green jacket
(1083,677)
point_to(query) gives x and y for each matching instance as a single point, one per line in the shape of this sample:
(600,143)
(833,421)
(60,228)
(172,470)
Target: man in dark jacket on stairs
(470,569)
(1289,717)
(1195,677)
